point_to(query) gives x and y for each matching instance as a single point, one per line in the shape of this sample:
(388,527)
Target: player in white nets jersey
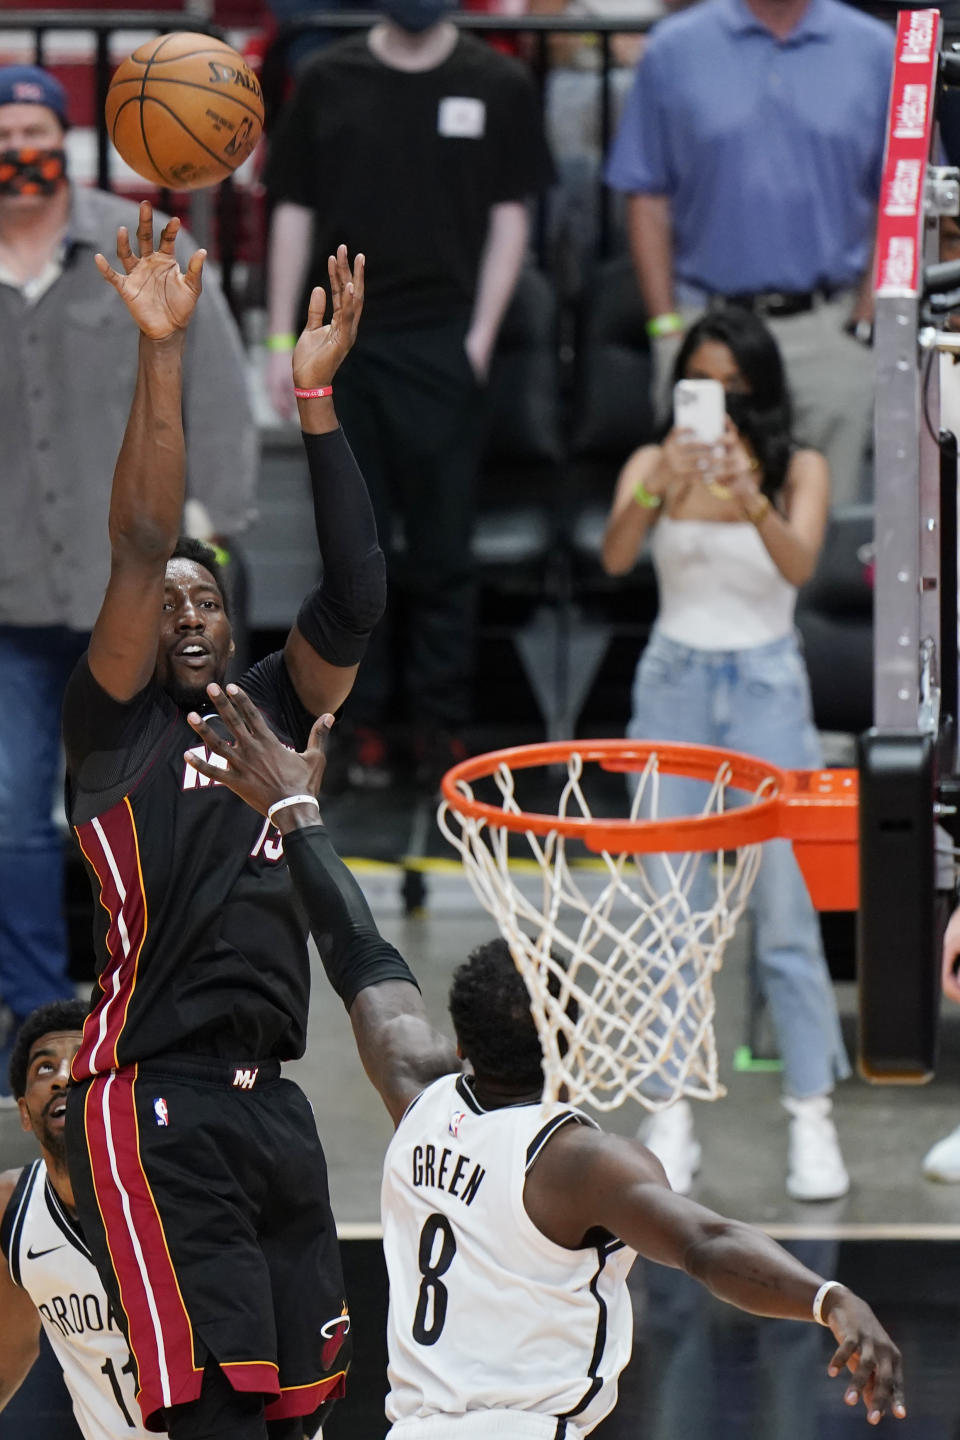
(509,1226)
(47,1277)
(487,1313)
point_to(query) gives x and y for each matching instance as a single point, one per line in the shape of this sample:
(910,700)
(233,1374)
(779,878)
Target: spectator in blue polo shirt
(750,149)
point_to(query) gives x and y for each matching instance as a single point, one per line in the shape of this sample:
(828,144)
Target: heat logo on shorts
(161,1111)
(334,1333)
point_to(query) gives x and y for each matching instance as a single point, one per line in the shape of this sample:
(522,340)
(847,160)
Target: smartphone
(700,406)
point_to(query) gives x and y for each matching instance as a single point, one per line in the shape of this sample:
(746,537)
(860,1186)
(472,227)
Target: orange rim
(816,809)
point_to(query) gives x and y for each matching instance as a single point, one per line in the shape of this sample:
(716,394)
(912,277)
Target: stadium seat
(835,618)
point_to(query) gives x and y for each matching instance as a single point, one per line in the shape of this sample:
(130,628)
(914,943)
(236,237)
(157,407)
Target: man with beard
(197,1171)
(49,1278)
(67,367)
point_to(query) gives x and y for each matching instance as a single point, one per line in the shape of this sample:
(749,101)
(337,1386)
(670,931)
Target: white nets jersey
(48,1258)
(486,1313)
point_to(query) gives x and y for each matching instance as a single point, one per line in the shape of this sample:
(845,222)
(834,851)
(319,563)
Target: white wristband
(819,1298)
(293,800)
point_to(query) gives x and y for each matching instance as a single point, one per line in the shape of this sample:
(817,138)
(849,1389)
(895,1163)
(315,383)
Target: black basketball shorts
(201,1187)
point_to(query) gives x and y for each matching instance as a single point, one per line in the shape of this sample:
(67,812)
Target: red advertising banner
(909,128)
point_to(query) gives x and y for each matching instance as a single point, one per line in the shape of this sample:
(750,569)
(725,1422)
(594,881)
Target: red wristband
(317,394)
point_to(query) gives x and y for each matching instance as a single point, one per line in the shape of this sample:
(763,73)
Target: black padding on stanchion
(898,967)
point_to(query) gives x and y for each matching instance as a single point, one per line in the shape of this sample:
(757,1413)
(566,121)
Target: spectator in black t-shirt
(421,145)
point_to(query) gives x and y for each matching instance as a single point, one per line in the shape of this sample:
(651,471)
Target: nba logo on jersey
(456,1120)
(160,1110)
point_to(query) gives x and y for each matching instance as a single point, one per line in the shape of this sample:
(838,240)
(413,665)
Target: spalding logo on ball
(184,110)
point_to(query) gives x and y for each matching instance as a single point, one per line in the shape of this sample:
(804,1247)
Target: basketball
(184,110)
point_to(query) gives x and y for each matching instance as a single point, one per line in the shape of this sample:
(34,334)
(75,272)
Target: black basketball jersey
(200,942)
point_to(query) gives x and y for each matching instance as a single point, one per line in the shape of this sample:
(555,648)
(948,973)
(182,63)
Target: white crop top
(719,588)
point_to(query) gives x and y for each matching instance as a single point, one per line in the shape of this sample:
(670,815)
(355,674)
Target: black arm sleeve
(337,617)
(270,688)
(353,951)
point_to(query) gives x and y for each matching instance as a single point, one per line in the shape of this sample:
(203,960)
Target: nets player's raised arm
(19,1321)
(330,636)
(148,483)
(400,1050)
(585,1180)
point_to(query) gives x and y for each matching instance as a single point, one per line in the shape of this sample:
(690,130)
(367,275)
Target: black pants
(201,1186)
(412,411)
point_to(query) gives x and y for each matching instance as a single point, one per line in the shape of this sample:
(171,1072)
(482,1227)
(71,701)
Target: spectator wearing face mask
(68,362)
(419,146)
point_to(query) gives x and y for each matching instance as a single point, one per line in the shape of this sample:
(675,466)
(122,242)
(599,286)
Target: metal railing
(534,32)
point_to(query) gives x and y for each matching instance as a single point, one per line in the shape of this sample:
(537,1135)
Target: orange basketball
(184,110)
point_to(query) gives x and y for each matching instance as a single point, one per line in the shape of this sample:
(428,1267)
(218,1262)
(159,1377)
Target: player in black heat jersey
(197,1170)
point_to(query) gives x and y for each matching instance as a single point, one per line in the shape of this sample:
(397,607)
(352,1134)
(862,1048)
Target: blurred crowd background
(547,198)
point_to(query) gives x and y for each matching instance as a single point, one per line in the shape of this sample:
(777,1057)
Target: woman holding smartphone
(736,515)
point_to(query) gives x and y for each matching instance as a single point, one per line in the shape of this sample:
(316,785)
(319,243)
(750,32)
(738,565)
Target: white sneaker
(815,1169)
(669,1134)
(942,1161)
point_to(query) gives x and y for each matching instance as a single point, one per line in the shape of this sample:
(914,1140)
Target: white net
(633,941)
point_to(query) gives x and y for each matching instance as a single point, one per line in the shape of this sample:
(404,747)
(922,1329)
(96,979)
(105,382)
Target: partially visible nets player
(509,1226)
(942,1160)
(48,1277)
(197,1171)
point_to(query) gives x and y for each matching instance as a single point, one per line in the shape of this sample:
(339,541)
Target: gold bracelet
(645,498)
(759,512)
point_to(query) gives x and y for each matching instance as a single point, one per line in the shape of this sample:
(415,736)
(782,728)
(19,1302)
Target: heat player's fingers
(194,271)
(168,235)
(247,713)
(215,743)
(318,304)
(145,229)
(108,272)
(212,772)
(124,252)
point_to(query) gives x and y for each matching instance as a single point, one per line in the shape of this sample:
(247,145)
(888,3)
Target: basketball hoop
(636,951)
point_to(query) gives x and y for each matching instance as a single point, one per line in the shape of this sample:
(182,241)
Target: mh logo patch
(245,1079)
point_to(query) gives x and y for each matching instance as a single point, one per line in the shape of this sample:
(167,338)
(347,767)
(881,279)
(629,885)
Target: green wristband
(281,343)
(660,325)
(646,498)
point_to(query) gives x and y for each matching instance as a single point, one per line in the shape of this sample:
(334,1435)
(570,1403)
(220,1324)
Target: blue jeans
(758,701)
(35,664)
